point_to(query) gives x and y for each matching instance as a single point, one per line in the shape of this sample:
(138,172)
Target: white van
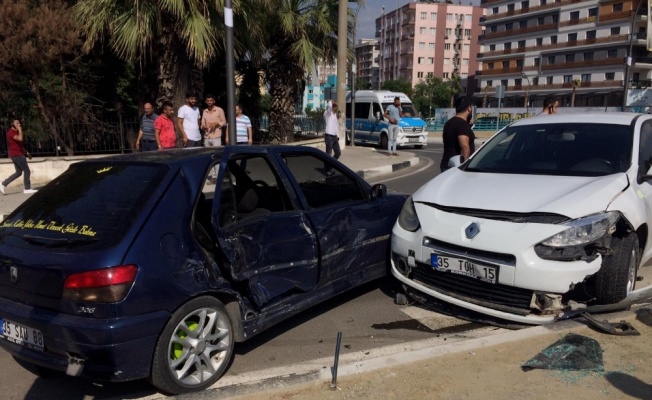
(371,126)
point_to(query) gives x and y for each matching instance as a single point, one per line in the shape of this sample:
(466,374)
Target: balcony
(608,39)
(583,64)
(408,21)
(529,10)
(514,32)
(502,71)
(408,51)
(553,86)
(578,21)
(407,37)
(609,18)
(378,33)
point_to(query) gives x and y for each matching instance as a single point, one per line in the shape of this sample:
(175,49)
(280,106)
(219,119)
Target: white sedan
(551,212)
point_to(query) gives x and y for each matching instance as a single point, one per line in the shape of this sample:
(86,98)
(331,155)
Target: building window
(535,81)
(609,76)
(424,15)
(494,10)
(421,60)
(519,63)
(419,74)
(588,56)
(492,47)
(537,61)
(467,47)
(551,59)
(490,65)
(612,53)
(568,78)
(553,39)
(490,83)
(543,2)
(503,82)
(468,17)
(541,21)
(593,12)
(510,7)
(433,16)
(433,31)
(448,31)
(431,46)
(447,46)
(430,74)
(574,15)
(465,61)
(525,5)
(572,37)
(522,24)
(518,82)
(586,78)
(449,17)
(447,61)
(590,34)
(539,41)
(555,18)
(521,44)
(422,31)
(508,46)
(467,32)
(493,29)
(570,58)
(422,45)
(549,80)
(615,30)
(446,75)
(505,64)
(618,7)
(509,26)
(431,60)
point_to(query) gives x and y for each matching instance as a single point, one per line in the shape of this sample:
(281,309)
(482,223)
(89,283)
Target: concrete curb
(387,169)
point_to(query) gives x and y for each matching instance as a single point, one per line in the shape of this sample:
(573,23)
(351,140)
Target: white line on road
(430,162)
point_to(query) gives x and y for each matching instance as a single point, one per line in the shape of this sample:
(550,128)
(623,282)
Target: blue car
(154,265)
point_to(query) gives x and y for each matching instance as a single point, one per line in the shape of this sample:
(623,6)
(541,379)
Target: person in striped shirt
(244,132)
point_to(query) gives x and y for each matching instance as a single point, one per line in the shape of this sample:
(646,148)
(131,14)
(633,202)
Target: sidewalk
(367,161)
(483,368)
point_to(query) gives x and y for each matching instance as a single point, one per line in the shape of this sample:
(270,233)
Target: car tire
(617,276)
(200,332)
(383,141)
(418,146)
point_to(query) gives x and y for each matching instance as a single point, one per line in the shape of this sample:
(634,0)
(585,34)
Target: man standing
(394,113)
(212,121)
(164,133)
(188,122)
(550,105)
(17,154)
(331,130)
(146,140)
(243,129)
(458,135)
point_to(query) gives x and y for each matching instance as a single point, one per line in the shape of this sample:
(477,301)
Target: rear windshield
(568,149)
(90,205)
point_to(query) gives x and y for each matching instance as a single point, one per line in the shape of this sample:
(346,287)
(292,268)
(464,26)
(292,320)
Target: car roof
(618,118)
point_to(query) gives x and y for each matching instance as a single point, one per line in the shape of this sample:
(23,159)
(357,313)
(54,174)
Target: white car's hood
(565,195)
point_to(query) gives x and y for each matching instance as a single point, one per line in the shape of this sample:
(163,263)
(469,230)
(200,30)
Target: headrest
(248,202)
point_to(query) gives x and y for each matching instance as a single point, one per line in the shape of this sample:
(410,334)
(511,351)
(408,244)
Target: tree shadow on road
(629,385)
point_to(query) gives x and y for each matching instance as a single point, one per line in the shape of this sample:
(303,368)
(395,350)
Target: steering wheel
(261,183)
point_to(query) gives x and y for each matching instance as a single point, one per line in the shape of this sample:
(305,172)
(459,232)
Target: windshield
(91,205)
(407,108)
(557,149)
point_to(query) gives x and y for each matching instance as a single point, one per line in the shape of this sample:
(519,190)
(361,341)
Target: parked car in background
(135,266)
(551,211)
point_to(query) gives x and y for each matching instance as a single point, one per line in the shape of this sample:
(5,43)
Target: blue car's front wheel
(194,349)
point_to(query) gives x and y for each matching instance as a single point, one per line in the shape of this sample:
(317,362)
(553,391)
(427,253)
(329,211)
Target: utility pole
(342,38)
(628,60)
(230,72)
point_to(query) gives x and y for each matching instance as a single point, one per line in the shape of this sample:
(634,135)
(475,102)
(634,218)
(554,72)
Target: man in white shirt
(332,128)
(188,122)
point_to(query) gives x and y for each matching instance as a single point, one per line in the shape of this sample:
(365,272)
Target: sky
(372,9)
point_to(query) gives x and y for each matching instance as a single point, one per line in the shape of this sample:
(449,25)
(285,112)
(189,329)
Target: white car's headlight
(408,219)
(584,230)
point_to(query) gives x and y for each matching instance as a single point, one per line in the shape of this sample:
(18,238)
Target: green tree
(299,33)
(431,94)
(399,85)
(175,38)
(362,84)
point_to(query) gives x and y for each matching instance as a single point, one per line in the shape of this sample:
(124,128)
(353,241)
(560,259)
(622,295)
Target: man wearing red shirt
(166,137)
(17,154)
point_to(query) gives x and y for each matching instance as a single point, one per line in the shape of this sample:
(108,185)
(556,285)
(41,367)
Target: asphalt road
(367,317)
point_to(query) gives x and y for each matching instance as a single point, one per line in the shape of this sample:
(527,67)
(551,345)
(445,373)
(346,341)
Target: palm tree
(299,33)
(176,38)
(576,83)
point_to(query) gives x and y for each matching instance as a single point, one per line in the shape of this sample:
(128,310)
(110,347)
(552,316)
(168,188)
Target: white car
(552,212)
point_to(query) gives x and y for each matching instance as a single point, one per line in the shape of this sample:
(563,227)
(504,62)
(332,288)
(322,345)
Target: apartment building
(575,50)
(428,38)
(367,52)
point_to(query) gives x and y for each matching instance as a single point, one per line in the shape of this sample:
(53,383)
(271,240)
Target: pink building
(424,39)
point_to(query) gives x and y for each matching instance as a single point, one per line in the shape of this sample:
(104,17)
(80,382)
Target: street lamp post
(354,73)
(628,60)
(527,93)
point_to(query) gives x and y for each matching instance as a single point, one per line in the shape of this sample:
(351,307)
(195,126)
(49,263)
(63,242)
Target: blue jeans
(20,163)
(392,135)
(332,144)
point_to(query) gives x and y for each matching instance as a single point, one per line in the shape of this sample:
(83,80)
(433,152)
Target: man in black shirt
(458,135)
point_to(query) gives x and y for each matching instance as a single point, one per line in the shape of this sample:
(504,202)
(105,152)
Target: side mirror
(455,161)
(378,190)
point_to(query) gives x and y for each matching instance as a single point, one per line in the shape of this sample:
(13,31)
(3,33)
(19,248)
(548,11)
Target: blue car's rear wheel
(194,349)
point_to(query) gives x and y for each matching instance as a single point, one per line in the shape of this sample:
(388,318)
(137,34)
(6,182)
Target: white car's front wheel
(617,277)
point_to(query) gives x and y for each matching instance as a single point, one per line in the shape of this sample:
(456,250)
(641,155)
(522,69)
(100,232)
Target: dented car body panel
(257,245)
(540,209)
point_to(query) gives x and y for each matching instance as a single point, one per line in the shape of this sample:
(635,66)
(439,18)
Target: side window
(250,187)
(321,183)
(377,109)
(362,110)
(645,149)
(348,110)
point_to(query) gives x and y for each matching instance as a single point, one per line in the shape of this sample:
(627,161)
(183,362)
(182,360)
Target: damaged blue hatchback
(154,265)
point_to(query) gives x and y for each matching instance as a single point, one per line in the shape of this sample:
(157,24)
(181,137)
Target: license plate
(21,335)
(464,267)
(413,140)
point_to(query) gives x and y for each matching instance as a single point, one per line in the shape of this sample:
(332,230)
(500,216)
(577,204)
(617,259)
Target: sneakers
(2,189)
(28,191)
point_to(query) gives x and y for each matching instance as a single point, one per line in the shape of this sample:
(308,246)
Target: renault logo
(472,230)
(13,274)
